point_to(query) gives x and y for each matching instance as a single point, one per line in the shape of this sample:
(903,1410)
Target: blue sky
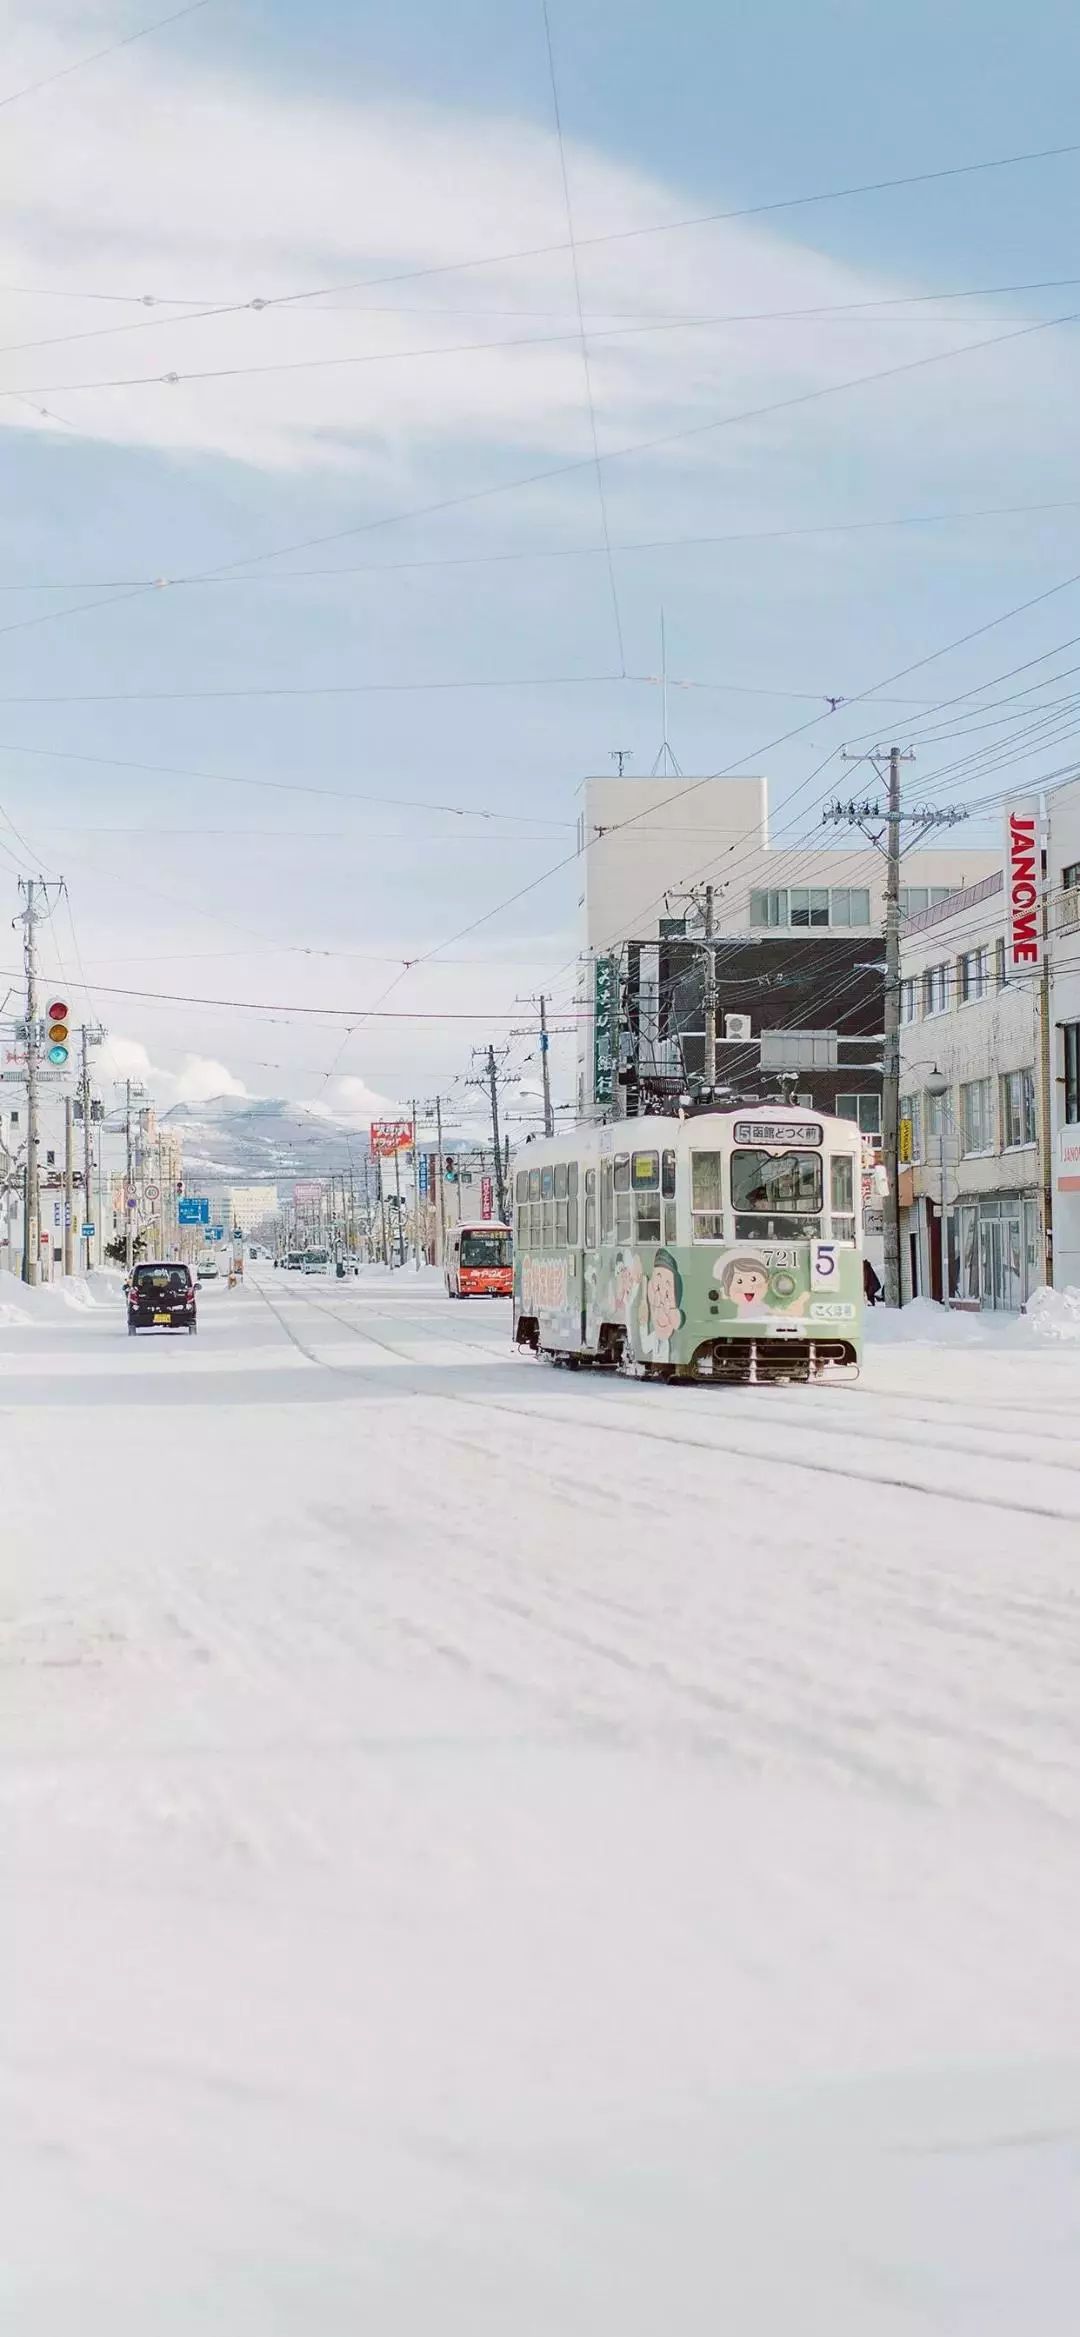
(263,151)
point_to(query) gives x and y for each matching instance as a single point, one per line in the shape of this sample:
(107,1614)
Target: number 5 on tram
(725,1246)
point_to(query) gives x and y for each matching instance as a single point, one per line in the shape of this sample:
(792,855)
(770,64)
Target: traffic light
(179,1187)
(58,1031)
(449,1167)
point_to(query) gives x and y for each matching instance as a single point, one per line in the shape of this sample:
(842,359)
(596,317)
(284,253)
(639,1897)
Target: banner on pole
(605,999)
(389,1137)
(487,1197)
(1023,885)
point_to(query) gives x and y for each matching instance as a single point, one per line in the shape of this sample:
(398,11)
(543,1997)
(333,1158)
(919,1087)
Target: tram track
(770,1458)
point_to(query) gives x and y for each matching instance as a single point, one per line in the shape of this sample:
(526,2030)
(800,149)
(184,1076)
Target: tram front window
(777,1196)
(707,1195)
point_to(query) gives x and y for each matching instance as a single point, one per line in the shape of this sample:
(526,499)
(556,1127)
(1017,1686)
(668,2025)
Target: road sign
(153,1195)
(87,1232)
(193,1209)
(14,1074)
(217,1233)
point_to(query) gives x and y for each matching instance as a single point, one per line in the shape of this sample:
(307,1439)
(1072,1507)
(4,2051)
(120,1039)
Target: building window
(1017,1108)
(809,905)
(1070,877)
(974,968)
(907,1001)
(911,1144)
(935,990)
(976,1115)
(815,905)
(914,898)
(865,1110)
(849,905)
(1072,1073)
(768,908)
(936,1115)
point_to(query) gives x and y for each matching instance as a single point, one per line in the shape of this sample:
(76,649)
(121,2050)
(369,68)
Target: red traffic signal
(58,1011)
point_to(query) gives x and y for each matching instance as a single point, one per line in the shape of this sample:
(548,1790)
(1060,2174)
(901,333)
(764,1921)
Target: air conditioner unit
(736,1026)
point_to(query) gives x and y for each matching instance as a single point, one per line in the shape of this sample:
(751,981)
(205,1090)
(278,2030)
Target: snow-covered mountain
(247,1139)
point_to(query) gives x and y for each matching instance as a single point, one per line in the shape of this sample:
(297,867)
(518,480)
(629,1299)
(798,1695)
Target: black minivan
(161,1298)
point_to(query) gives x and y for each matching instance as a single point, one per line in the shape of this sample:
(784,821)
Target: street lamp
(938,1085)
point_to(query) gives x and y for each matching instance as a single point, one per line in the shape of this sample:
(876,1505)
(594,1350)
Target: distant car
(209,1270)
(294,1263)
(161,1298)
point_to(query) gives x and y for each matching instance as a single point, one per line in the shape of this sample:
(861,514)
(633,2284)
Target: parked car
(161,1297)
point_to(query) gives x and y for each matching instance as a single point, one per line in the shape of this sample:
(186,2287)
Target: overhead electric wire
(386,798)
(550,552)
(123,41)
(601,492)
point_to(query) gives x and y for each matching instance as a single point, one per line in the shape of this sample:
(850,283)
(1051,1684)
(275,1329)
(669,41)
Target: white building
(249,1206)
(645,842)
(970,1150)
(1063,950)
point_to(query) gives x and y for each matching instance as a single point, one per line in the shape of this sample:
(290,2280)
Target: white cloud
(173,178)
(198,1079)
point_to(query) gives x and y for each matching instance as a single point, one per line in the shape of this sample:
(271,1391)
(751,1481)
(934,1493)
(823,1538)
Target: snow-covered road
(505,1854)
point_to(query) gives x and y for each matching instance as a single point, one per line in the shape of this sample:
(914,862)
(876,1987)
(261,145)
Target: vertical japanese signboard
(1023,886)
(605,1000)
(487,1197)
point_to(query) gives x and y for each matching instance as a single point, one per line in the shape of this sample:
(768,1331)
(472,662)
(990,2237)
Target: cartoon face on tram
(727,1245)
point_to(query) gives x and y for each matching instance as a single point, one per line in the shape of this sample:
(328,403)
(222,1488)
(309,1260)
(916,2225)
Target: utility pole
(129,1184)
(415,1190)
(35,889)
(84,1102)
(442,1178)
(500,1190)
(69,1186)
(549,1116)
(888,824)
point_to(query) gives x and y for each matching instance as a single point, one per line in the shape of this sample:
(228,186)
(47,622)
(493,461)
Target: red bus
(479,1261)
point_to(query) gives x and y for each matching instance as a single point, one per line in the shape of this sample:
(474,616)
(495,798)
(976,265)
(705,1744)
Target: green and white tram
(720,1246)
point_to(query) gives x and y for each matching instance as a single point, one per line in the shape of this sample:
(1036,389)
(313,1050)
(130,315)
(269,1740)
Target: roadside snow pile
(1053,1314)
(926,1324)
(23,1308)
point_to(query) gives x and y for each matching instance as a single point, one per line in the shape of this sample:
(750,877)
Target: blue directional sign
(217,1233)
(192,1209)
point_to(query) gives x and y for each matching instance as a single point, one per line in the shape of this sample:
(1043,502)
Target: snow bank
(1049,1315)
(1053,1314)
(22,1307)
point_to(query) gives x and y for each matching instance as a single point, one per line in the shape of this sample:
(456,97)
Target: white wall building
(974,1147)
(645,841)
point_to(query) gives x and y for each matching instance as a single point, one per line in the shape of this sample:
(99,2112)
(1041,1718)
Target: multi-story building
(646,844)
(971,1184)
(250,1206)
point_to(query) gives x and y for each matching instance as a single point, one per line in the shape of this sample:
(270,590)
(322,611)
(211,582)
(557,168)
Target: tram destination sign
(778,1132)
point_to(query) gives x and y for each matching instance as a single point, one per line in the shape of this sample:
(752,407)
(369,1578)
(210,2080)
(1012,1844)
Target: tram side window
(842,1197)
(607,1202)
(534,1184)
(523,1225)
(667,1176)
(590,1209)
(573,1228)
(648,1217)
(521,1187)
(547,1184)
(536,1223)
(707,1196)
(548,1208)
(561,1190)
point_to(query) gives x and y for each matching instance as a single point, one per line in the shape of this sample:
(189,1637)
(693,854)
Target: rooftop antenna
(620,755)
(665,760)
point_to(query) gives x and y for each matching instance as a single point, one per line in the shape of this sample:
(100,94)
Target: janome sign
(1022,885)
